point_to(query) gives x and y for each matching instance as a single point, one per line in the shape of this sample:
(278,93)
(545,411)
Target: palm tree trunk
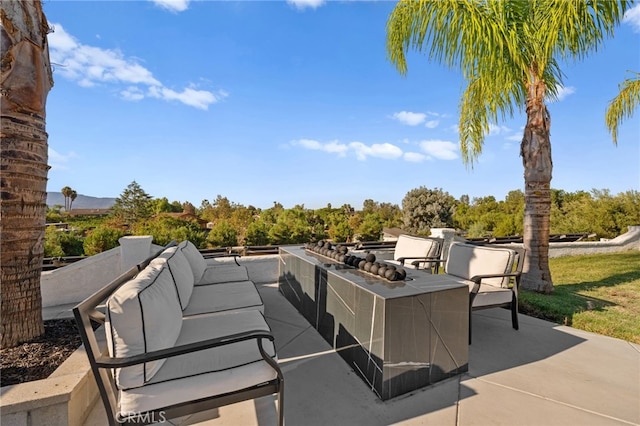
(536,159)
(25,81)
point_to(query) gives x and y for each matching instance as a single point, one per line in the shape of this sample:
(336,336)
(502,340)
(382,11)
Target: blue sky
(296,102)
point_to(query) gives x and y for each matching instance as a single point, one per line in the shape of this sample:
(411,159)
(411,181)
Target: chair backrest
(469,260)
(411,246)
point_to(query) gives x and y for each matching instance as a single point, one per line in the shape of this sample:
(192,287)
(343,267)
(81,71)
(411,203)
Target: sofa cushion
(467,261)
(143,315)
(219,272)
(210,372)
(224,297)
(195,258)
(180,270)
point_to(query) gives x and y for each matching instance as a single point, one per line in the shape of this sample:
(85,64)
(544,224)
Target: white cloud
(442,150)
(200,99)
(132,93)
(173,5)
(379,150)
(91,66)
(516,137)
(632,17)
(563,92)
(414,157)
(409,118)
(333,147)
(434,149)
(431,124)
(304,4)
(59,161)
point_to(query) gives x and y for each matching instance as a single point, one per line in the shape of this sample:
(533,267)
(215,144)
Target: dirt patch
(38,358)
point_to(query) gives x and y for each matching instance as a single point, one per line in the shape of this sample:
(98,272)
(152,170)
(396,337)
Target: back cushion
(197,262)
(143,315)
(180,270)
(466,261)
(410,246)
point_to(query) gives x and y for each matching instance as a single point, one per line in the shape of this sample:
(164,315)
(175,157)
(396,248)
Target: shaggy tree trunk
(536,158)
(25,81)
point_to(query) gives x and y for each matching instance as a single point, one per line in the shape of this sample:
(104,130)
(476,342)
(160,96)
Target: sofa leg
(281,404)
(514,314)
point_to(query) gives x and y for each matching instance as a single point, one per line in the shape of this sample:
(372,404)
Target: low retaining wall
(627,241)
(64,398)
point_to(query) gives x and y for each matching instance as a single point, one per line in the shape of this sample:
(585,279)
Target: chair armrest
(109,362)
(417,260)
(478,278)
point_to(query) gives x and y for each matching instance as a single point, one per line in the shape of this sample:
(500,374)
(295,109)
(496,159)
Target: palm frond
(623,105)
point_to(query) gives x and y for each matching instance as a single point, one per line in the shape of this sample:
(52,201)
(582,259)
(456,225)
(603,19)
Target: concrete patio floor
(542,374)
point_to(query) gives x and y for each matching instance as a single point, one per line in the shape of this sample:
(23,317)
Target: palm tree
(25,81)
(72,198)
(509,53)
(66,193)
(623,105)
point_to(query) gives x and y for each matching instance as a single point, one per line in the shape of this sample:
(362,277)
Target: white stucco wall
(77,281)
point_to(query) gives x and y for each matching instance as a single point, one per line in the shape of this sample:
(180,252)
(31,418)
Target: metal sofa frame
(102,366)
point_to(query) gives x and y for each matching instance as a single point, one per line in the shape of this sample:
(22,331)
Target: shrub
(101,239)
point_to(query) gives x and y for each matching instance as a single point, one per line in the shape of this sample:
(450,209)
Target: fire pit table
(397,335)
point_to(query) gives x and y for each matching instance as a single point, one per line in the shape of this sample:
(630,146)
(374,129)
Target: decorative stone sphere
(392,267)
(371,257)
(382,270)
(361,264)
(402,274)
(341,258)
(390,274)
(374,268)
(367,266)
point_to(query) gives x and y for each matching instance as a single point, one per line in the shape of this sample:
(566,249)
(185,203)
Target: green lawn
(598,293)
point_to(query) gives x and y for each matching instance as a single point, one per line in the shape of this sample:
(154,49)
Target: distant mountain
(81,202)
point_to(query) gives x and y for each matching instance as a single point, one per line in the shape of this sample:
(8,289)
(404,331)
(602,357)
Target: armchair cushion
(467,261)
(412,247)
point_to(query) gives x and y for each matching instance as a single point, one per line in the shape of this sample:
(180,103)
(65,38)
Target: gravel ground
(38,358)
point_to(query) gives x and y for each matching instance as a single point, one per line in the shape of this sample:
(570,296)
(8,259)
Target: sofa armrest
(104,361)
(216,255)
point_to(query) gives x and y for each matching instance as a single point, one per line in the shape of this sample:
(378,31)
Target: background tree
(370,228)
(66,193)
(101,239)
(222,235)
(61,242)
(164,229)
(425,208)
(257,233)
(623,105)
(72,198)
(25,81)
(509,53)
(133,204)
